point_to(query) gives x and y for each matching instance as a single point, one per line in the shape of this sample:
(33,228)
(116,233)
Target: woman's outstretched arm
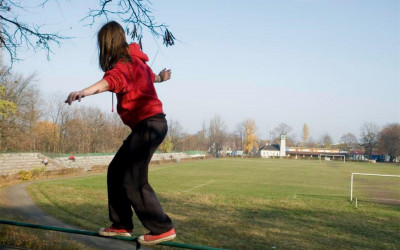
(98,87)
(163,76)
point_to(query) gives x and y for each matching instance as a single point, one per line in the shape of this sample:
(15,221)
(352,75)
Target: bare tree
(283,128)
(201,137)
(369,136)
(189,142)
(389,140)
(312,143)
(136,15)
(175,133)
(58,113)
(326,140)
(240,136)
(15,32)
(349,141)
(216,135)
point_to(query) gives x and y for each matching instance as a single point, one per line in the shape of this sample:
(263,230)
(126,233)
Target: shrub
(38,171)
(25,175)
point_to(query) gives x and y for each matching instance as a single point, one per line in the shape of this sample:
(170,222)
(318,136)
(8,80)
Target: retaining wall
(15,162)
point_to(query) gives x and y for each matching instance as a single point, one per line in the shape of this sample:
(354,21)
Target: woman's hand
(73,96)
(98,87)
(165,75)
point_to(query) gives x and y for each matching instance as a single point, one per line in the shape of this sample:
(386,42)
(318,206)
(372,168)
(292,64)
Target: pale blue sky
(331,64)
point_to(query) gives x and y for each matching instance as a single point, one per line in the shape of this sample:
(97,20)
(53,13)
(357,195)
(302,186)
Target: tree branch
(136,15)
(15,33)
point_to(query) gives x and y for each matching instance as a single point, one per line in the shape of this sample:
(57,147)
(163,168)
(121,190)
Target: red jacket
(134,85)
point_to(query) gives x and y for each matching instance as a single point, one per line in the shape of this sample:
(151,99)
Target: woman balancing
(127,75)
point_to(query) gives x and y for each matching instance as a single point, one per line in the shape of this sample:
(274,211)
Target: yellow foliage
(250,135)
(6,107)
(167,145)
(24,175)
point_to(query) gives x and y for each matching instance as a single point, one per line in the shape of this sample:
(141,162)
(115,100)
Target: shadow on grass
(28,238)
(287,225)
(251,223)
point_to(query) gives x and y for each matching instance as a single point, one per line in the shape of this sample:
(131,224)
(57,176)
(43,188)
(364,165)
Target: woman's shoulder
(136,52)
(121,65)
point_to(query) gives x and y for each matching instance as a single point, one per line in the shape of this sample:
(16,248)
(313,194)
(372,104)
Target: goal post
(365,174)
(330,155)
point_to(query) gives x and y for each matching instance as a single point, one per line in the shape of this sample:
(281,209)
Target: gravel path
(21,202)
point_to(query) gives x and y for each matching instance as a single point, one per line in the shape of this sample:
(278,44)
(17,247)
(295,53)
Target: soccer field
(250,203)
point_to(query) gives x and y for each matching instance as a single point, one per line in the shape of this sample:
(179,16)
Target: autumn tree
(189,142)
(117,130)
(6,107)
(389,140)
(25,95)
(306,134)
(369,137)
(166,146)
(250,140)
(43,137)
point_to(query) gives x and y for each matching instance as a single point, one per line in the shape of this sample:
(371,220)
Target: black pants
(127,179)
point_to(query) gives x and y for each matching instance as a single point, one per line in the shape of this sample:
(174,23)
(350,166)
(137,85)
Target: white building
(269,150)
(274,150)
(282,152)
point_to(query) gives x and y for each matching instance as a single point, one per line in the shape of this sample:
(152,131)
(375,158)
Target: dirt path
(22,203)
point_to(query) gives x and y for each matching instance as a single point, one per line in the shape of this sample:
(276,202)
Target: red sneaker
(151,239)
(112,231)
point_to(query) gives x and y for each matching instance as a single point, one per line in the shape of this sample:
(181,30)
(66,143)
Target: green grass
(27,238)
(247,204)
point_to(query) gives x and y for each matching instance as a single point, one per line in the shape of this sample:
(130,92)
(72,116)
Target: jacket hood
(134,50)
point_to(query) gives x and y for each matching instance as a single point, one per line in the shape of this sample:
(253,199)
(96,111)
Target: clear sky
(332,64)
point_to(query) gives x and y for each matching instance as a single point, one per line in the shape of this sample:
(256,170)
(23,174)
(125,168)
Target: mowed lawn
(249,204)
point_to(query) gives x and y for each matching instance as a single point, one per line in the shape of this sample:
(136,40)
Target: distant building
(237,152)
(356,155)
(282,151)
(380,157)
(269,150)
(275,150)
(313,152)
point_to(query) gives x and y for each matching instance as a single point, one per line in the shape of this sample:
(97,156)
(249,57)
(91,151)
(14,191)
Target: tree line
(28,122)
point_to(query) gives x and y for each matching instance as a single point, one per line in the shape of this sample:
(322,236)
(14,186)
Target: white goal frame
(328,155)
(352,177)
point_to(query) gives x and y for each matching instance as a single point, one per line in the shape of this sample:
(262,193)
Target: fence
(89,233)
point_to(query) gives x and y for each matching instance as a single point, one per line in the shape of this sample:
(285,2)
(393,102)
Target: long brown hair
(112,45)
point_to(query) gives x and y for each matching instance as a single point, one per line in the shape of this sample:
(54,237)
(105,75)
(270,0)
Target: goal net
(378,188)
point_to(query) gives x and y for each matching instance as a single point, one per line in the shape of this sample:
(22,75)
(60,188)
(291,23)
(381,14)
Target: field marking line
(190,189)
